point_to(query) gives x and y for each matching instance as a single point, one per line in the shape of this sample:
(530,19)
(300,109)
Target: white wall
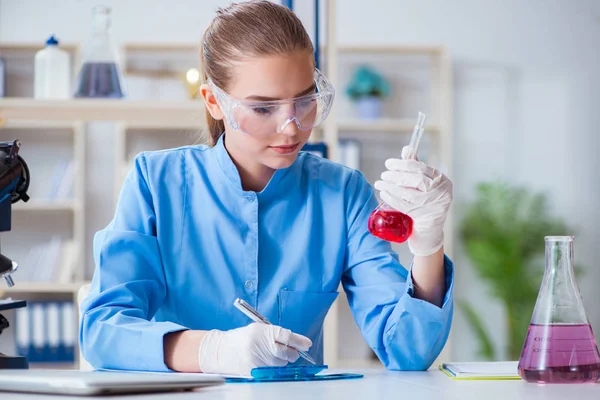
(526,100)
(526,95)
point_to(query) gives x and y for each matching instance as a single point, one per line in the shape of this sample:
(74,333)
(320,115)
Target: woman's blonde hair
(249,29)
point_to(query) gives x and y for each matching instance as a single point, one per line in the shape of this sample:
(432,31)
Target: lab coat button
(249,284)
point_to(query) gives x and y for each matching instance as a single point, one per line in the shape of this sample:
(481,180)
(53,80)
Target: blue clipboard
(291,373)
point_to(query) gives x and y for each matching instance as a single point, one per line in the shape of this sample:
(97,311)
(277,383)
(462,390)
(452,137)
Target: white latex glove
(238,351)
(421,192)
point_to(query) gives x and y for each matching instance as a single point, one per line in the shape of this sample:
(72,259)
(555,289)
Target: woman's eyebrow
(265,98)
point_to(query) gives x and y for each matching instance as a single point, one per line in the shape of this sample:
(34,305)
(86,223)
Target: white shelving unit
(45,144)
(141,112)
(34,221)
(48,205)
(38,288)
(72,208)
(147,124)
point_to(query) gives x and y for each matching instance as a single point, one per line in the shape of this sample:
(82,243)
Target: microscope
(14,183)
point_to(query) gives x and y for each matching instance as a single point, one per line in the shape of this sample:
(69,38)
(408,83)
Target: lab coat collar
(233,175)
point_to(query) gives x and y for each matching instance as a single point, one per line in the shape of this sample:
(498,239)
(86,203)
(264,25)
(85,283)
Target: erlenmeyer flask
(100,74)
(387,223)
(560,346)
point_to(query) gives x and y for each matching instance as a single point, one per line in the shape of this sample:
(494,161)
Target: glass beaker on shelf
(386,222)
(560,346)
(100,75)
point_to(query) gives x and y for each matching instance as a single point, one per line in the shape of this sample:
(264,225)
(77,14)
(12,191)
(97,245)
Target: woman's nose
(289,127)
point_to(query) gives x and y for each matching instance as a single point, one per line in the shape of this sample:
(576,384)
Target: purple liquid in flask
(560,346)
(100,75)
(99,79)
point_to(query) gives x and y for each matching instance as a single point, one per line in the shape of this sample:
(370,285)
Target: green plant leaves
(503,234)
(367,82)
(486,347)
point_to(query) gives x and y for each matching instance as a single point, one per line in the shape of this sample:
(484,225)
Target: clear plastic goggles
(265,118)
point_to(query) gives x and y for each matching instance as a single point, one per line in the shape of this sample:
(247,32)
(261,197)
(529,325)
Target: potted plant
(503,233)
(367,89)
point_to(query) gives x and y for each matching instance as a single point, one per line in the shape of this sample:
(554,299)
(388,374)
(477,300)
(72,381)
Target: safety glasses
(265,118)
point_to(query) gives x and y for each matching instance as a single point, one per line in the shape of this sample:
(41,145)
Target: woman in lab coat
(252,217)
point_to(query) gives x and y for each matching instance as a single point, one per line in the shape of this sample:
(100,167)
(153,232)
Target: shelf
(32,47)
(398,49)
(47,205)
(383,125)
(344,48)
(171,126)
(42,287)
(157,47)
(33,124)
(144,112)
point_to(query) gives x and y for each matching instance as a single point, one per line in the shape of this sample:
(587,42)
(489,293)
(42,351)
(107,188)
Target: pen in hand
(256,317)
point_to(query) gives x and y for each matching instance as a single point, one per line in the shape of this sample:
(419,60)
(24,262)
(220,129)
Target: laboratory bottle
(2,77)
(560,346)
(52,72)
(100,74)
(387,223)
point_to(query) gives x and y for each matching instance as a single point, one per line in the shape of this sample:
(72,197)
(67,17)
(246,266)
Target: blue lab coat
(186,241)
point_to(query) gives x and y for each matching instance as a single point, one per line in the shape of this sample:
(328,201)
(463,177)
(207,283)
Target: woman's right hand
(238,351)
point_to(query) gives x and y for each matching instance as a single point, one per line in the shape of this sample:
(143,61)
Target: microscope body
(14,182)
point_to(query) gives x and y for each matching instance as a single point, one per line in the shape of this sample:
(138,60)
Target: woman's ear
(211,101)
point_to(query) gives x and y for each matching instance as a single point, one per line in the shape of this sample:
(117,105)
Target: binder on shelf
(53,331)
(22,331)
(68,332)
(45,331)
(37,351)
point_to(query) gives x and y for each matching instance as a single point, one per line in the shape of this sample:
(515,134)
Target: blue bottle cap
(51,41)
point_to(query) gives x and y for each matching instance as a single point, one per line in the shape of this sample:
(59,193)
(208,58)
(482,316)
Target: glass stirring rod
(256,317)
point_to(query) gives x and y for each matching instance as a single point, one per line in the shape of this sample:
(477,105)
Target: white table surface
(377,384)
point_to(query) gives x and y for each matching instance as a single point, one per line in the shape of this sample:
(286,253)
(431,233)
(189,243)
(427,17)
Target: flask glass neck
(559,254)
(100,20)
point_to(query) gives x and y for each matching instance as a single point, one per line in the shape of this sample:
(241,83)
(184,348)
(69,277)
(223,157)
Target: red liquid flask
(560,346)
(389,224)
(386,222)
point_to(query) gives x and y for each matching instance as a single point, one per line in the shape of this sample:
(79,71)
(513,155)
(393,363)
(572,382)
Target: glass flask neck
(559,255)
(100,20)
(559,300)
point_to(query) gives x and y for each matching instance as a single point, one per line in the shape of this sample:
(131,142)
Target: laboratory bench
(377,384)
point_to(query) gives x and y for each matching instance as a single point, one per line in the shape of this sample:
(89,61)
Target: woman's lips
(285,149)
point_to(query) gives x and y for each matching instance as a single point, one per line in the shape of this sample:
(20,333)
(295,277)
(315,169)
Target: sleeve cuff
(152,341)
(449,277)
(424,308)
(417,330)
(425,311)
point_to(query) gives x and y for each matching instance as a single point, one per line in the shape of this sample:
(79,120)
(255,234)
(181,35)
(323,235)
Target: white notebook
(482,370)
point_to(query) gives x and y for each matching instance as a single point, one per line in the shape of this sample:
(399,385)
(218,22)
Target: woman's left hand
(421,192)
